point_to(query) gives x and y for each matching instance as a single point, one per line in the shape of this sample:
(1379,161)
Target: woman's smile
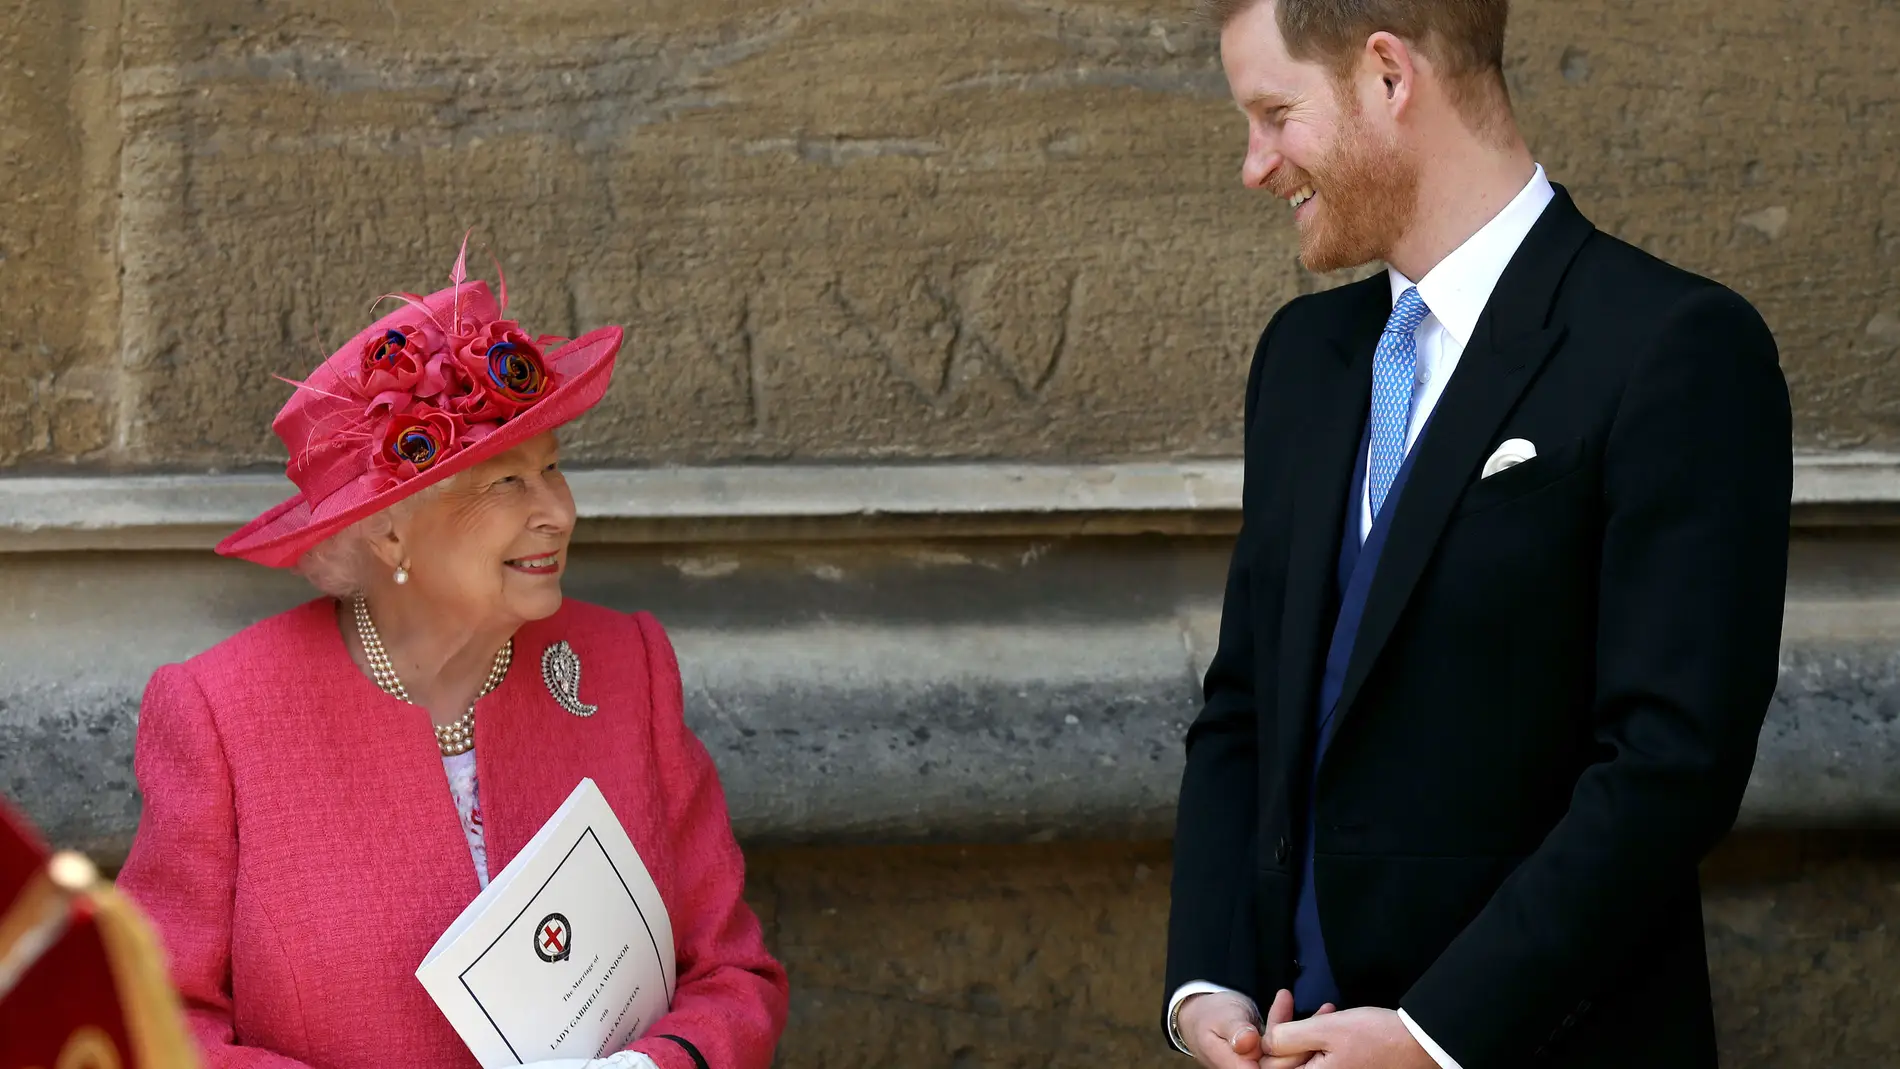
(546,564)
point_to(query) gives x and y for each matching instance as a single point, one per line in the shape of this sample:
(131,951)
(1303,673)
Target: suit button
(1280,851)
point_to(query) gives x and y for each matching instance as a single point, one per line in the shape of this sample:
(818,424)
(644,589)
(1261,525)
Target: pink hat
(434,388)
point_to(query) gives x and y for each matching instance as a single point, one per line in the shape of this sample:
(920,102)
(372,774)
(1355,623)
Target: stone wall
(837,228)
(1025,957)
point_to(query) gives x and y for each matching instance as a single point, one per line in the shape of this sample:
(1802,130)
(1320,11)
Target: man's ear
(1390,59)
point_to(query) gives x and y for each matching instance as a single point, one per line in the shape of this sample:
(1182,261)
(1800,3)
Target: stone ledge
(968,734)
(799,502)
(161,512)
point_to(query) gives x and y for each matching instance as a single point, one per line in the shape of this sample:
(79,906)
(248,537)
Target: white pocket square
(1509,455)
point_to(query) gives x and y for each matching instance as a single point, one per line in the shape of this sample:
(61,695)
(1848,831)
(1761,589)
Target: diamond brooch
(561,669)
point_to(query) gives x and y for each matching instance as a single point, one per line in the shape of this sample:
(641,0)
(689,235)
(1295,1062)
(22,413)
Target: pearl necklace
(452,739)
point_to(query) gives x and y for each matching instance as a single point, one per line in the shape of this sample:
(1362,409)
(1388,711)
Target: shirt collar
(1460,286)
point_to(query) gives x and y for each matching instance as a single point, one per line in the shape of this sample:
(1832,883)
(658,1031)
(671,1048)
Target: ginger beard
(1367,195)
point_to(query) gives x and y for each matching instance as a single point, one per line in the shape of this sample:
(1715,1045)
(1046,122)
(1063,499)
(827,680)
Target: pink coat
(300,852)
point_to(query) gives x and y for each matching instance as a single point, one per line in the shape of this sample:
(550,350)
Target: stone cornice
(801,502)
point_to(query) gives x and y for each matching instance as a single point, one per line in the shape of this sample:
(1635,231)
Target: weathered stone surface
(58,380)
(969,957)
(1837,496)
(988,691)
(1833,734)
(1032,957)
(1801,950)
(832,229)
(1758,143)
(946,228)
(72,769)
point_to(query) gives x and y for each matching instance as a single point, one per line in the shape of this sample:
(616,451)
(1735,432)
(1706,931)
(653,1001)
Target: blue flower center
(417,446)
(386,351)
(513,372)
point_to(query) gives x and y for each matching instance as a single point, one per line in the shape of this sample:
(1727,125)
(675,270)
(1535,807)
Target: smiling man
(1502,620)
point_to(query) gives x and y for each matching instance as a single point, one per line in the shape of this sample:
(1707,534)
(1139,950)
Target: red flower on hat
(442,380)
(398,358)
(416,440)
(508,371)
(401,365)
(516,370)
(391,364)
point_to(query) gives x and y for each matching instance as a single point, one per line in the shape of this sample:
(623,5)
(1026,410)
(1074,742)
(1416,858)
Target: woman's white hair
(343,564)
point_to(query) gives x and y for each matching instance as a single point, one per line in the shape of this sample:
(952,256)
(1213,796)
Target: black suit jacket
(1552,706)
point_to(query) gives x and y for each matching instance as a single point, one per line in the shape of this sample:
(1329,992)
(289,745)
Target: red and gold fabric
(82,981)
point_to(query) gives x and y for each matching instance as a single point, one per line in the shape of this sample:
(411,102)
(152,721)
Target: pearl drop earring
(402,576)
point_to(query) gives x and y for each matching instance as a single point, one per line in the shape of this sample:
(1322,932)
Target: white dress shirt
(1456,291)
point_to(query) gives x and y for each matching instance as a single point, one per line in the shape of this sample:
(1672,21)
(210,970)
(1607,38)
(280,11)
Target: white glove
(625,1059)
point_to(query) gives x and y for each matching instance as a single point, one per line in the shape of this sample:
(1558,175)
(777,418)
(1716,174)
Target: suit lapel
(1326,449)
(1512,340)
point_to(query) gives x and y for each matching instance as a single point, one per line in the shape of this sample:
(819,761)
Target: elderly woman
(327,790)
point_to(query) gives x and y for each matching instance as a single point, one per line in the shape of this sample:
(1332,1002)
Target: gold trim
(154,1017)
(88,1048)
(37,912)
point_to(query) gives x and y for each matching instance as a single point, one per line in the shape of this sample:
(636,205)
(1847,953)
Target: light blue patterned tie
(1394,378)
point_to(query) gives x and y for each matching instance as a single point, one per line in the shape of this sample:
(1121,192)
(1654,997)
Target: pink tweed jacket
(299,851)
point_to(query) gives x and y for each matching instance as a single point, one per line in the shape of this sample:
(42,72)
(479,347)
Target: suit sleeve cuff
(1444,1060)
(1198,987)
